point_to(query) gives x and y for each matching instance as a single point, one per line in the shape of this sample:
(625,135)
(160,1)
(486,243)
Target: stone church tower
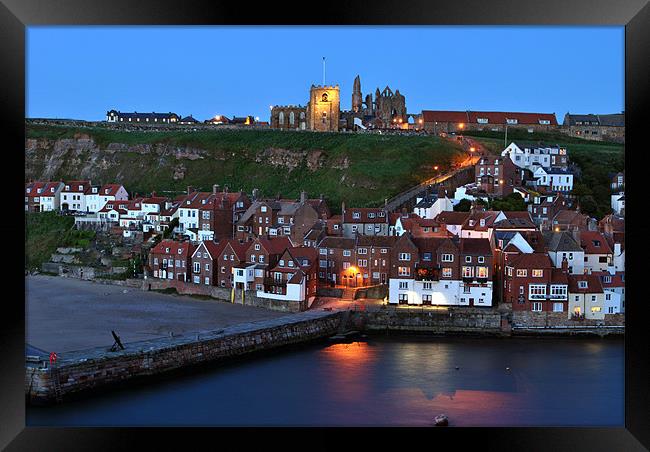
(324,108)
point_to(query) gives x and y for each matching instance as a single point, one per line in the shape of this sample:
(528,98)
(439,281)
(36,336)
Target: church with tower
(323,111)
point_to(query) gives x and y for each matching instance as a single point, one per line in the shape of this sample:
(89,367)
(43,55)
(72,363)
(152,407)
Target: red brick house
(205,262)
(231,256)
(531,283)
(497,175)
(293,277)
(172,260)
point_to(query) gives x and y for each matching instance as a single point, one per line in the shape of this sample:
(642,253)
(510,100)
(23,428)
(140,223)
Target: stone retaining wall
(559,319)
(463,321)
(223,294)
(89,369)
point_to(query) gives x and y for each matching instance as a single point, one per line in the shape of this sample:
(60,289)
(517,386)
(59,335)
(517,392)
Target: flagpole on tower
(323,71)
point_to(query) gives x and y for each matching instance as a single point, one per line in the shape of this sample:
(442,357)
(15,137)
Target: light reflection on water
(380,381)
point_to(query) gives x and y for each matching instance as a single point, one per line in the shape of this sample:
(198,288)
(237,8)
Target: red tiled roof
(112,189)
(74,186)
(445,116)
(213,248)
(276,245)
(616,280)
(594,243)
(531,260)
(489,216)
(363,215)
(452,217)
(593,284)
(499,117)
(187,249)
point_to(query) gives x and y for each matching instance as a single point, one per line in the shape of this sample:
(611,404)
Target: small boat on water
(441,420)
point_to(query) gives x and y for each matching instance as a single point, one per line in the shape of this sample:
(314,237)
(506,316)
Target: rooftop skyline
(81,72)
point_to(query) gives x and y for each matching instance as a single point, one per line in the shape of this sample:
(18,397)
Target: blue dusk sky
(81,72)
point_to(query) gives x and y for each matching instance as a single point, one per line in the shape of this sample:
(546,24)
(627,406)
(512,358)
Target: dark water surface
(378,381)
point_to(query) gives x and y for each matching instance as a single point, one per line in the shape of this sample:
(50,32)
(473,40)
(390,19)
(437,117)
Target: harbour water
(378,380)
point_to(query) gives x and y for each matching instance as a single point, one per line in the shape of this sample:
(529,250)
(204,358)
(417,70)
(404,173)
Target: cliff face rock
(289,159)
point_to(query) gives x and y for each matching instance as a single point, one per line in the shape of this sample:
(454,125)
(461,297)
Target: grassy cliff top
(360,169)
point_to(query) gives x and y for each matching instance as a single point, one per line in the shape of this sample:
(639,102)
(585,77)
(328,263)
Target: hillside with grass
(360,169)
(596,160)
(45,232)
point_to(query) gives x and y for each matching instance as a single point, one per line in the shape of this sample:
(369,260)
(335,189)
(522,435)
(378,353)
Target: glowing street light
(435,167)
(472,149)
(461,126)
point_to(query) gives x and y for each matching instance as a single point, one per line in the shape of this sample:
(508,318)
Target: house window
(207,267)
(538,273)
(197,267)
(446,272)
(468,272)
(362,251)
(403,297)
(427,286)
(537,291)
(536,307)
(596,309)
(521,290)
(404,271)
(522,273)
(405,256)
(363,262)
(582,284)
(468,258)
(481,259)
(356,215)
(403,285)
(447,258)
(481,272)
(347,253)
(558,307)
(207,281)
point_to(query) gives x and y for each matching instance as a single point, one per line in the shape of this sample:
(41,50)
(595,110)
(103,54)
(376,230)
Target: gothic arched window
(302,115)
(291,118)
(324,97)
(281,118)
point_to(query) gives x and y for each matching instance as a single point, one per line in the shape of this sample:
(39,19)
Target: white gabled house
(73,195)
(618,203)
(431,205)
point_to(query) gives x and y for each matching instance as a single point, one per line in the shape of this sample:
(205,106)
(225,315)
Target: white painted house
(531,157)
(50,196)
(73,195)
(555,179)
(562,245)
(431,205)
(618,203)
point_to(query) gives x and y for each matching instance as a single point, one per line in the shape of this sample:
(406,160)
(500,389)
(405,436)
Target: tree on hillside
(463,206)
(512,202)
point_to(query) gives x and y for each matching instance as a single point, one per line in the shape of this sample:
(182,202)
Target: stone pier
(85,370)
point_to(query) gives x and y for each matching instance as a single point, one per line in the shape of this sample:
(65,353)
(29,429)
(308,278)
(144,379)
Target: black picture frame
(633,14)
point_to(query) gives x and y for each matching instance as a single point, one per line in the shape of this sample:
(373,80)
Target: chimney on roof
(565,265)
(277,196)
(256,194)
(322,196)
(189,189)
(303,197)
(215,188)
(225,189)
(343,208)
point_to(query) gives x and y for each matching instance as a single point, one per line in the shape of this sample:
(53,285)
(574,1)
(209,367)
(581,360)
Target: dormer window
(582,284)
(596,242)
(371,215)
(51,189)
(67,187)
(382,214)
(263,208)
(356,215)
(257,247)
(166,250)
(482,222)
(81,187)
(290,263)
(511,121)
(281,262)
(180,251)
(106,191)
(471,222)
